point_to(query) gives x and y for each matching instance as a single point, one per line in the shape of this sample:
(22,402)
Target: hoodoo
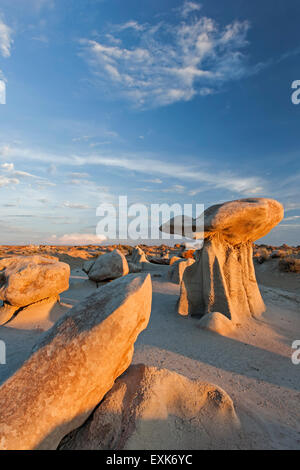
(223,279)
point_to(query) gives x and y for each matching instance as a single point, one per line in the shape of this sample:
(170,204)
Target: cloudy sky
(163,101)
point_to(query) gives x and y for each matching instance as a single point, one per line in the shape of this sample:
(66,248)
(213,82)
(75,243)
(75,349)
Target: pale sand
(253,364)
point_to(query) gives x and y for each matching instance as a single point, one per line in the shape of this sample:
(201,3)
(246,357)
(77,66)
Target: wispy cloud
(189,7)
(129,25)
(6,40)
(9,168)
(154,181)
(169,62)
(148,165)
(73,205)
(6,181)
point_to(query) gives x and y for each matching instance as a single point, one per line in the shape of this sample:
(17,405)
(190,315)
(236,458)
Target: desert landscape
(200,379)
(149,228)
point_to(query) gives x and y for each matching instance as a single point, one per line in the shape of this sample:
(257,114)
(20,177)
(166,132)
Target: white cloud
(170,62)
(130,25)
(189,7)
(176,188)
(148,165)
(77,239)
(10,168)
(5,181)
(71,205)
(154,181)
(6,40)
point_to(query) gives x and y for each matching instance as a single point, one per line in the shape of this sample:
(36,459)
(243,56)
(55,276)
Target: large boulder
(74,365)
(25,280)
(150,408)
(177,269)
(223,278)
(108,267)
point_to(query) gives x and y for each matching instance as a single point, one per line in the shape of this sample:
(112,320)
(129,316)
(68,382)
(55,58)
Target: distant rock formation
(138,256)
(150,408)
(138,260)
(74,365)
(223,279)
(25,280)
(107,267)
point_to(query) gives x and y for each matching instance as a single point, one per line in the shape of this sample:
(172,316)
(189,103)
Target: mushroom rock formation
(223,277)
(74,365)
(25,280)
(150,408)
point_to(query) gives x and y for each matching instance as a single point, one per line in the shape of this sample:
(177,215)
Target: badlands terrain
(190,385)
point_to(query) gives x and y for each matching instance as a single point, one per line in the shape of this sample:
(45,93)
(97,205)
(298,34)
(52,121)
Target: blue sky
(162,101)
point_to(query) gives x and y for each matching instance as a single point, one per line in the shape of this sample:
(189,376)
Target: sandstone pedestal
(223,278)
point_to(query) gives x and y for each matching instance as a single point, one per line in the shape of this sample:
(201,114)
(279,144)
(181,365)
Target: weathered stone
(223,279)
(109,266)
(244,220)
(28,279)
(6,313)
(150,408)
(176,271)
(87,265)
(138,256)
(135,268)
(217,323)
(74,365)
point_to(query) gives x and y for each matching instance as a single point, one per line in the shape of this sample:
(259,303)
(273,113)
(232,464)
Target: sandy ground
(253,365)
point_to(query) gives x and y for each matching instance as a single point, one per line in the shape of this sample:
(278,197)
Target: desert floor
(253,365)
